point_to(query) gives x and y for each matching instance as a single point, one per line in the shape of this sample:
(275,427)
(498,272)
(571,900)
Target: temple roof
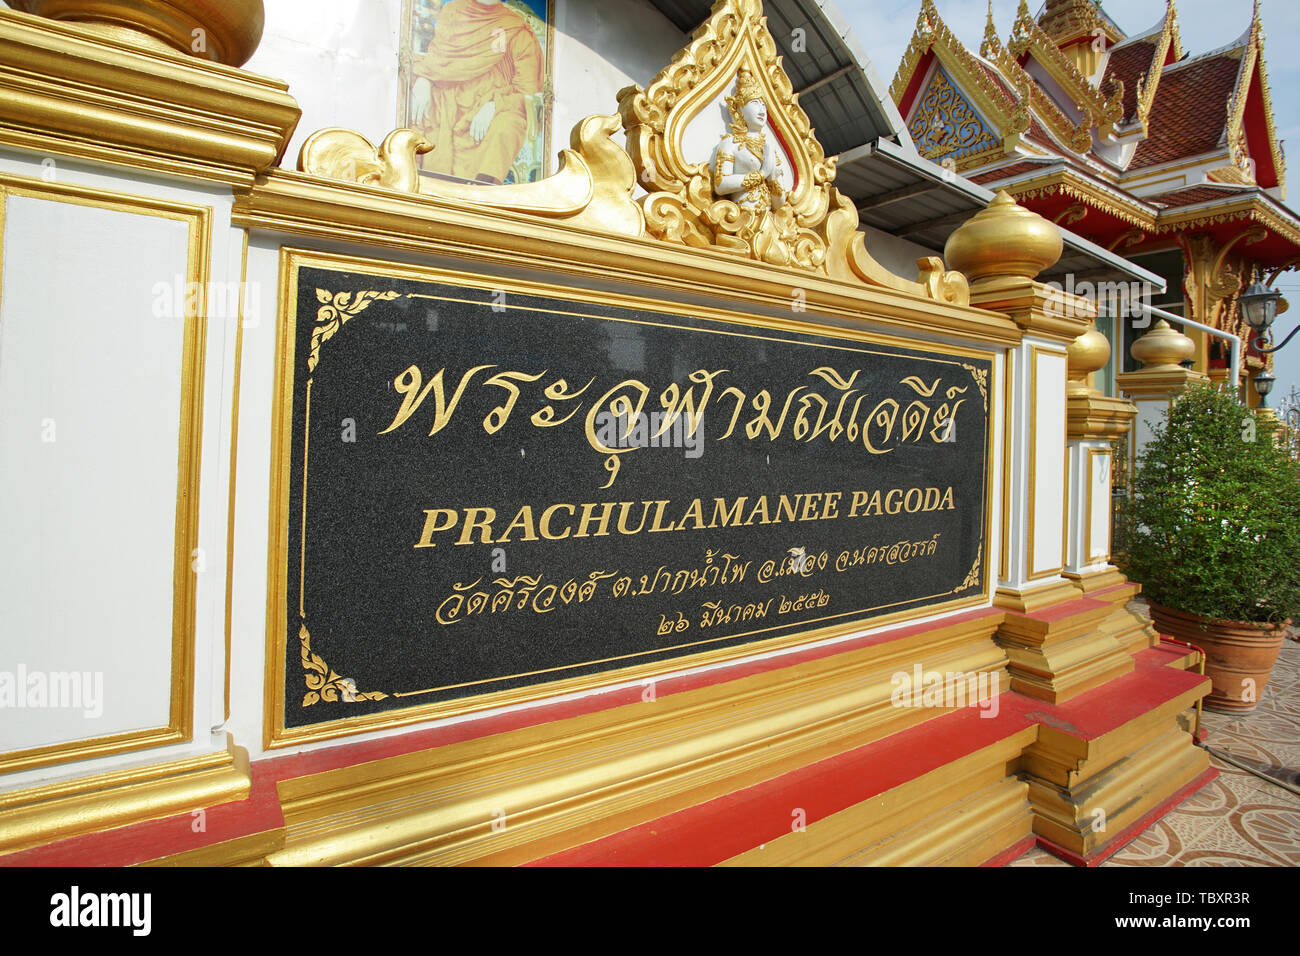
(1068,90)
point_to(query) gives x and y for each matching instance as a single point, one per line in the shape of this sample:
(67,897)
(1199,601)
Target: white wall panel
(90,407)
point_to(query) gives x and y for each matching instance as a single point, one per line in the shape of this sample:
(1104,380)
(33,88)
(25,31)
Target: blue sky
(884,27)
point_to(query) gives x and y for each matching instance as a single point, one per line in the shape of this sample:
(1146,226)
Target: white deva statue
(746,165)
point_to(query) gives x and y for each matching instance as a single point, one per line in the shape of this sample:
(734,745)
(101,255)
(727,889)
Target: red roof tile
(1191,195)
(1127,64)
(1190,111)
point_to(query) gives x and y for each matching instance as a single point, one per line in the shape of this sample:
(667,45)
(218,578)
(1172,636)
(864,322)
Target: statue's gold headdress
(747,90)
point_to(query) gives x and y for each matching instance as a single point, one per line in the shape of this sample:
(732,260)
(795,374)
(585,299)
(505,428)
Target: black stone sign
(489,490)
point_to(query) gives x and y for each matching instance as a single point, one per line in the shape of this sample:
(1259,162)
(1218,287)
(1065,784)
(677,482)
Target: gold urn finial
(224,31)
(1162,347)
(1086,354)
(1004,239)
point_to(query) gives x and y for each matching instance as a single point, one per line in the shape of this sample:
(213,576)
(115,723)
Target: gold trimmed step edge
(565,783)
(59,811)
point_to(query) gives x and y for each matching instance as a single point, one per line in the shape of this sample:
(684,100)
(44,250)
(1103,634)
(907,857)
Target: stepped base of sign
(860,752)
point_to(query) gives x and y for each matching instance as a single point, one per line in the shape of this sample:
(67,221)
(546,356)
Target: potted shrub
(1214,536)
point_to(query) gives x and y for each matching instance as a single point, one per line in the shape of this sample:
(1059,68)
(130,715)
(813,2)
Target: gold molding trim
(67,91)
(198,219)
(563,783)
(331,210)
(1093,454)
(59,811)
(276,734)
(591,189)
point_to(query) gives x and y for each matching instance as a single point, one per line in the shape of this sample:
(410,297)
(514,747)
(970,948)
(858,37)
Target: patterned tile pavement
(1237,819)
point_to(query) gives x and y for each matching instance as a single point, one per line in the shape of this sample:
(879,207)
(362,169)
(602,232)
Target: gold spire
(990,34)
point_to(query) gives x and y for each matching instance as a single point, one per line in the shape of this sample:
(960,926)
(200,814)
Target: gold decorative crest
(816,228)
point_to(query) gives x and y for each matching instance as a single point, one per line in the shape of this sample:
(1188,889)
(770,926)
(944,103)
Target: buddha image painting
(475,81)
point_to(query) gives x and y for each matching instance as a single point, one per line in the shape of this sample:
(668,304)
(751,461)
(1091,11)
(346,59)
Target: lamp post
(1263,385)
(1259,309)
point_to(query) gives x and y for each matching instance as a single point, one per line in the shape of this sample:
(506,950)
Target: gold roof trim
(1146,86)
(1028,37)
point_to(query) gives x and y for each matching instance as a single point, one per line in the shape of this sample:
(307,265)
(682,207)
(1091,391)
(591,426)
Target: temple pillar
(1093,422)
(1052,639)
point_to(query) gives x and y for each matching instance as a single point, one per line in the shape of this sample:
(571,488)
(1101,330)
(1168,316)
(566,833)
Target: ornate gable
(1250,133)
(944,123)
(1005,112)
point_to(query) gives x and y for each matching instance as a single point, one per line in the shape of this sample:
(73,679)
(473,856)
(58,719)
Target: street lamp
(1259,309)
(1263,385)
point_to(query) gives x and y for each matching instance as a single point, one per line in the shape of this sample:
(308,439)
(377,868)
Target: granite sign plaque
(485,489)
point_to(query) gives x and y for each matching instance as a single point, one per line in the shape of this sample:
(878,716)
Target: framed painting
(476,78)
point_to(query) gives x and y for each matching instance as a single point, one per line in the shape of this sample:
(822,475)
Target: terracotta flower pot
(1236,653)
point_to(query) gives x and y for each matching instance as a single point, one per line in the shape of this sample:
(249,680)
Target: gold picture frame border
(404,54)
(292,259)
(180,721)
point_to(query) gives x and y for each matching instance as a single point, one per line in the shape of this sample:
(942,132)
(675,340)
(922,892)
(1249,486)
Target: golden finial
(990,34)
(1004,239)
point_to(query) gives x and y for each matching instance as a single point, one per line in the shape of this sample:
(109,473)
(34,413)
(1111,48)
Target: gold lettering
(602,521)
(894,501)
(431,526)
(731,517)
(497,418)
(785,507)
(874,503)
(859,499)
(659,513)
(622,516)
(760,505)
(695,512)
(831,509)
(946,504)
(484,525)
(546,522)
(408,386)
(907,502)
(524,521)
(810,503)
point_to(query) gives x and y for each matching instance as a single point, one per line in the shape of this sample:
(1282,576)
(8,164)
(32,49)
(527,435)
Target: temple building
(562,432)
(1168,157)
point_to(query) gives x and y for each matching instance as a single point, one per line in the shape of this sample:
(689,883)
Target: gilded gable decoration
(732,49)
(1102,110)
(944,123)
(733,199)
